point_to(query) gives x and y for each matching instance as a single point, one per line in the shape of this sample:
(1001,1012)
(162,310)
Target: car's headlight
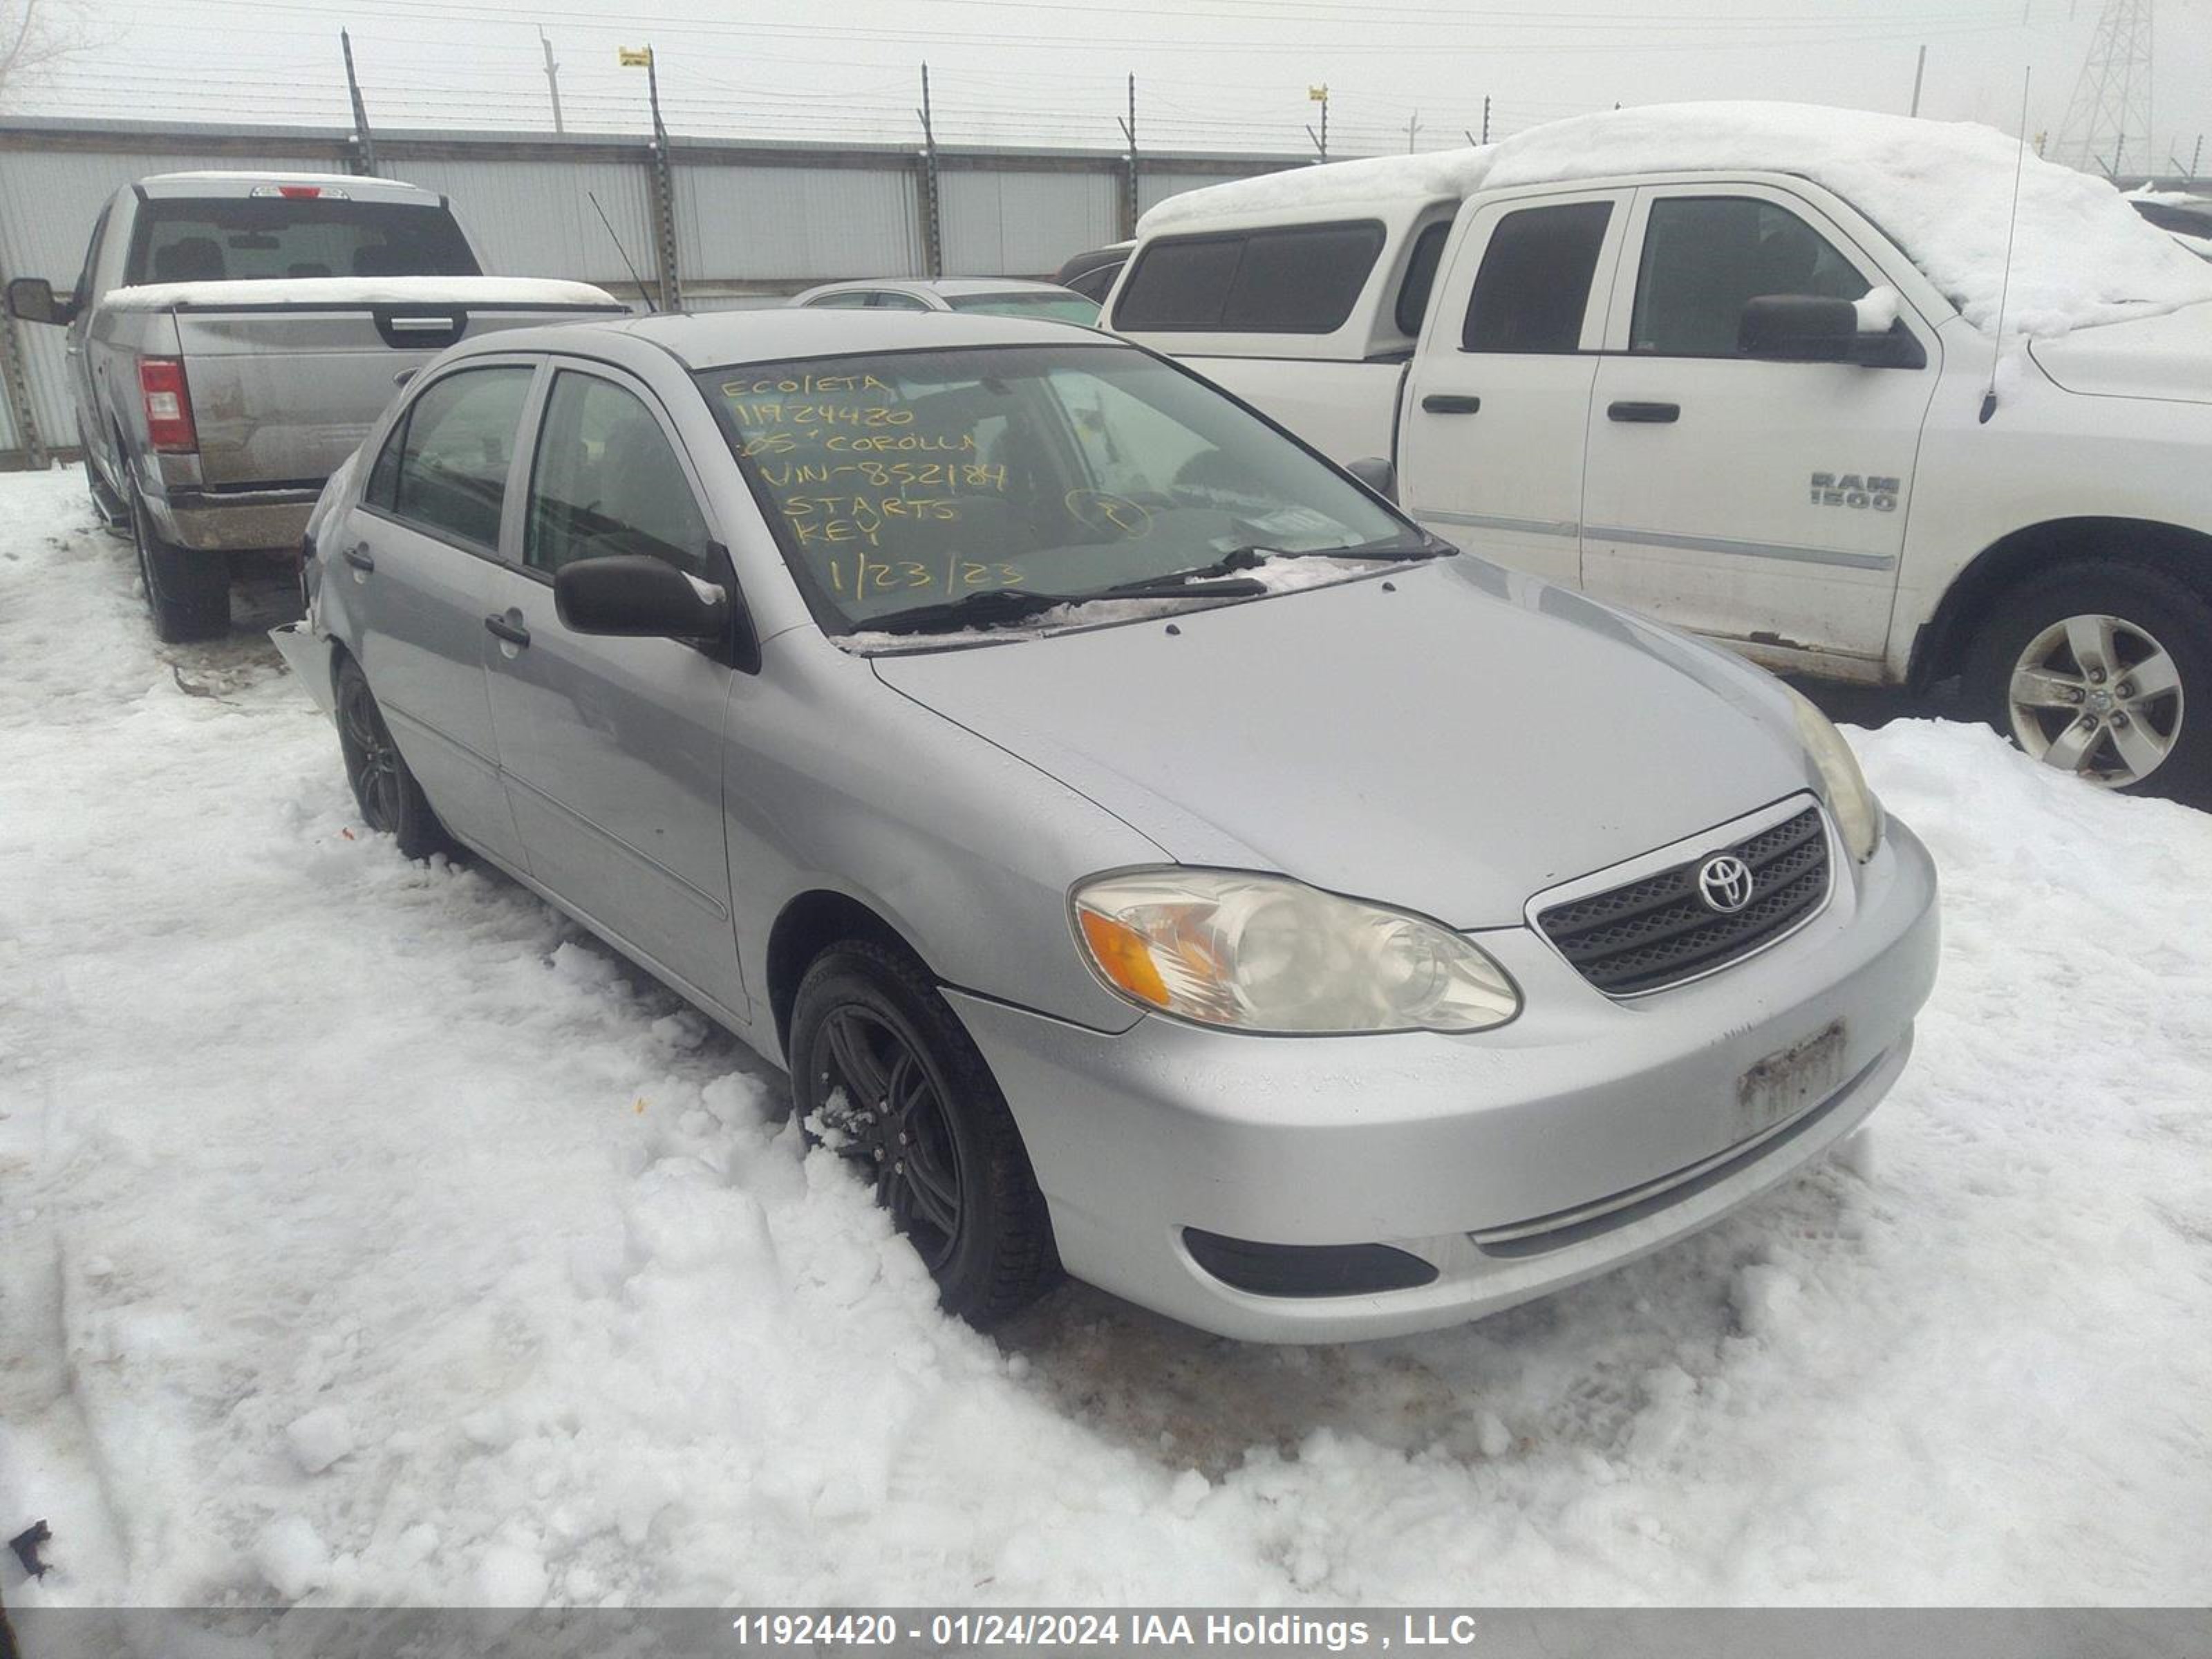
(1858,813)
(1267,954)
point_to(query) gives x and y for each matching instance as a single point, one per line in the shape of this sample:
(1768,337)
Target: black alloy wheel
(884,1110)
(390,799)
(884,1073)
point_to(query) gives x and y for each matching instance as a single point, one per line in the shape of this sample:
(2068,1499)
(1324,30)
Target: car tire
(937,1141)
(187,593)
(2140,720)
(389,795)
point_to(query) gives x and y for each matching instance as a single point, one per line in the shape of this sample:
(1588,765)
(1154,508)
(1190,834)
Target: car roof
(717,339)
(168,186)
(938,285)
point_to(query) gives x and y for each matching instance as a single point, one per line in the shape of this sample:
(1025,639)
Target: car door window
(449,460)
(1534,283)
(606,480)
(1705,256)
(890,300)
(1412,306)
(851,300)
(82,296)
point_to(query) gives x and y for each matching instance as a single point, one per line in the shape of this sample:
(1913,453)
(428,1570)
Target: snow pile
(368,1236)
(1444,175)
(478,291)
(1943,189)
(2081,255)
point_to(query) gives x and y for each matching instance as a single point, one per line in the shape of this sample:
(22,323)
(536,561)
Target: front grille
(1658,931)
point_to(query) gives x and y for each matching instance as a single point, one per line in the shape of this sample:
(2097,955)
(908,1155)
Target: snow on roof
(359,291)
(1439,175)
(1943,190)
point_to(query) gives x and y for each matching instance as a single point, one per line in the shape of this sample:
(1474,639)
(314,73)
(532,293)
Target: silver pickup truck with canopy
(232,338)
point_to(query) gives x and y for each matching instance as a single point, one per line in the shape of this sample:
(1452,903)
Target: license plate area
(1790,1081)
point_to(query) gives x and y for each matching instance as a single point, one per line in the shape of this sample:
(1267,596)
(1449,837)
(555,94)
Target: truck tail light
(168,404)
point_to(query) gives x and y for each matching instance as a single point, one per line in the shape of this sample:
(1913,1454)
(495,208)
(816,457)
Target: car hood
(2168,357)
(1451,739)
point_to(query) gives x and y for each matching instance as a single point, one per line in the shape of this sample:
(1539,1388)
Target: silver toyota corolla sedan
(1153,856)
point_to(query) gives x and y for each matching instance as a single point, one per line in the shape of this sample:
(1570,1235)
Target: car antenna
(2012,227)
(592,197)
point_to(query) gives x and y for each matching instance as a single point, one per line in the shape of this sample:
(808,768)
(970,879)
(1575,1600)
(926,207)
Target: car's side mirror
(1377,474)
(636,595)
(31,300)
(1807,328)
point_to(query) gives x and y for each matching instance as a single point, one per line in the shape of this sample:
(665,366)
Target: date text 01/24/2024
(1162,1630)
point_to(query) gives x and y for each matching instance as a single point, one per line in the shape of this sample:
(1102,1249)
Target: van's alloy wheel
(883,1072)
(2102,667)
(391,800)
(2098,695)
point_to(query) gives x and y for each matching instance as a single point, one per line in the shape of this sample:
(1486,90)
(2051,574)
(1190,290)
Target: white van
(1738,367)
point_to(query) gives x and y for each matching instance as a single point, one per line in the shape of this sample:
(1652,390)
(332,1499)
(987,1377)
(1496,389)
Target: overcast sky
(1212,74)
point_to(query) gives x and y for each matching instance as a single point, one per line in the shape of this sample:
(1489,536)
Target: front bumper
(1514,1162)
(307,654)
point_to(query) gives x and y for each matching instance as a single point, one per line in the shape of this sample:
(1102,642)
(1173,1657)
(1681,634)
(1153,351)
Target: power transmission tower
(2111,99)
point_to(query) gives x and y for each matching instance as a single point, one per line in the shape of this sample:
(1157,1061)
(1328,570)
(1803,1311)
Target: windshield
(1044,307)
(915,481)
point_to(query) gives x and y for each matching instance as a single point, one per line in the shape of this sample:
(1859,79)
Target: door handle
(513,633)
(1649,414)
(360,558)
(1443,402)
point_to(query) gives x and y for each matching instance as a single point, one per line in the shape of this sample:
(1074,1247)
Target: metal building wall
(534,217)
(48,201)
(748,222)
(753,220)
(1004,222)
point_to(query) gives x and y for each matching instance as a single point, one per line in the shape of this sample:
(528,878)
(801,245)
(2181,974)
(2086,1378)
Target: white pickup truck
(1766,374)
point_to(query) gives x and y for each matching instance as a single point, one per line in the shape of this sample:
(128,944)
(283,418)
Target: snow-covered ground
(369,1235)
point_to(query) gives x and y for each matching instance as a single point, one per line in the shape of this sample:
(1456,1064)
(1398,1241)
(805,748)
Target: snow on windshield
(1943,189)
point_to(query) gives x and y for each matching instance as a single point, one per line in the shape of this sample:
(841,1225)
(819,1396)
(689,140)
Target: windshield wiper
(1258,553)
(999,606)
(993,605)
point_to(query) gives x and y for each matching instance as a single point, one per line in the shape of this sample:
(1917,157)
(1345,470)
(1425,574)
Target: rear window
(1534,283)
(255,238)
(1299,280)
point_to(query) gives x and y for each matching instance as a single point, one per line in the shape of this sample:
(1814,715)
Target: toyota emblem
(1725,884)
